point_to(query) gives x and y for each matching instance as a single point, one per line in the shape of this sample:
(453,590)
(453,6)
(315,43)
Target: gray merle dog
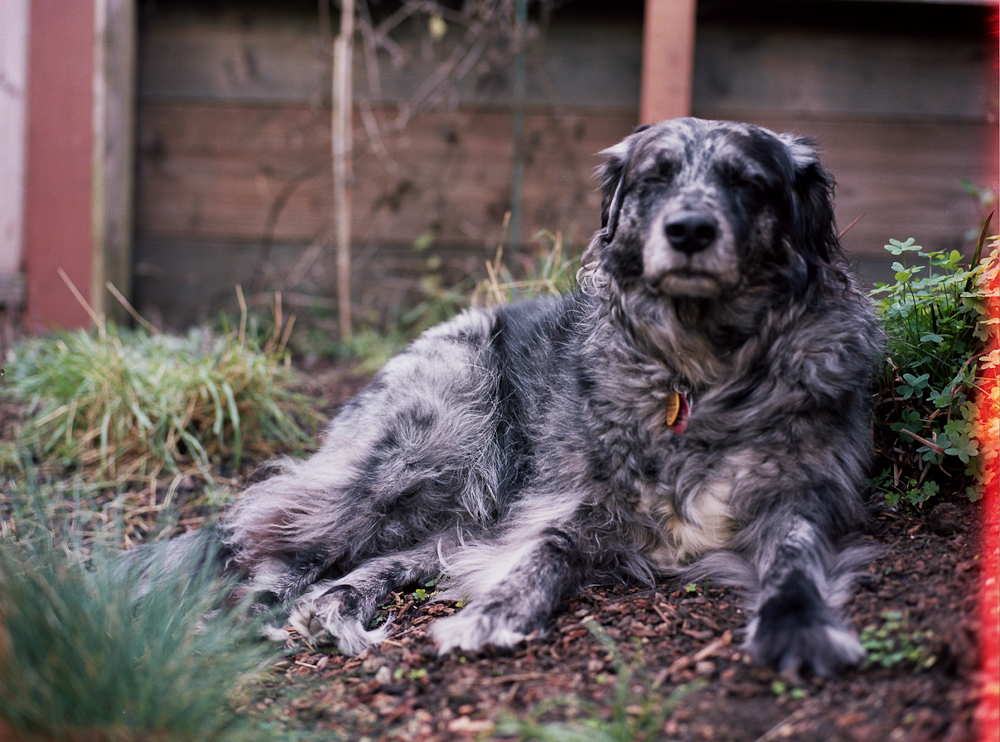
(699,406)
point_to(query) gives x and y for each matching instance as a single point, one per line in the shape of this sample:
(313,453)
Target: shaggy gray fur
(523,451)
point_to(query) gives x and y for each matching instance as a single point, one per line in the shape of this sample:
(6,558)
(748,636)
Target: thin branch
(153,330)
(95,318)
(847,229)
(923,441)
(456,66)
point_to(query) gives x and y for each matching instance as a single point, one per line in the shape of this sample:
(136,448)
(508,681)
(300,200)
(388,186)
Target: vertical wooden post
(80,145)
(59,164)
(341,141)
(113,150)
(667,60)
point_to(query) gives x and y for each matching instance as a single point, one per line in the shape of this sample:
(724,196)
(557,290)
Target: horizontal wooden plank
(284,59)
(180,283)
(249,173)
(824,72)
(584,62)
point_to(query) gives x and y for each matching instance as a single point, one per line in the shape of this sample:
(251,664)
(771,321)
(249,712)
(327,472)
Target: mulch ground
(666,657)
(677,655)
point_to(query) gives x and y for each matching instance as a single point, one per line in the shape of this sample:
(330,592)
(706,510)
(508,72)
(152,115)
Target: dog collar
(678,412)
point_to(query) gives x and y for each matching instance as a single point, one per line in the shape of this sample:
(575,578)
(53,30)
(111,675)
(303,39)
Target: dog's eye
(663,175)
(737,177)
(661,172)
(656,180)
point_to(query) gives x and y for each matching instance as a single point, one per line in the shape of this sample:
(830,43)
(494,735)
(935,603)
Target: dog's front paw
(474,628)
(323,617)
(797,632)
(802,643)
(823,650)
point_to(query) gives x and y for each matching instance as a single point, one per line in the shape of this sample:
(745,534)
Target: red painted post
(667,60)
(59,164)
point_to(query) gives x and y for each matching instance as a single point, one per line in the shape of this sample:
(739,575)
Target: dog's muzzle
(678,272)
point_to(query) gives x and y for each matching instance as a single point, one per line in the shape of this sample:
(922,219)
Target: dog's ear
(612,175)
(814,225)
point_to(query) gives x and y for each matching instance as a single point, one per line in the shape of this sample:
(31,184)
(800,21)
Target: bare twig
(130,309)
(458,63)
(923,441)
(847,229)
(95,318)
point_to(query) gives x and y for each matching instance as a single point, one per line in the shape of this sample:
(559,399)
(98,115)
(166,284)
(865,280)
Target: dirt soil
(678,659)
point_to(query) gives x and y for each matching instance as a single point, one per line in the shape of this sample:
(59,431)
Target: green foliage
(132,403)
(916,494)
(635,716)
(927,414)
(780,688)
(415,673)
(84,659)
(892,644)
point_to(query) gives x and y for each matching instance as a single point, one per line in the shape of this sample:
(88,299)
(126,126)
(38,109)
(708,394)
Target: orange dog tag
(673,408)
(678,413)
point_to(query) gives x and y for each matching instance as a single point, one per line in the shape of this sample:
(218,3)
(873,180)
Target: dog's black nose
(691,233)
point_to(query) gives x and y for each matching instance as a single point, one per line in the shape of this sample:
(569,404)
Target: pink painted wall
(57,228)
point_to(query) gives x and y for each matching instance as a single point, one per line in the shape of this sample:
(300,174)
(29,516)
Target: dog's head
(703,210)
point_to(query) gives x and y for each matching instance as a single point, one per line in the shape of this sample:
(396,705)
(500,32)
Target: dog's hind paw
(276,634)
(472,629)
(322,619)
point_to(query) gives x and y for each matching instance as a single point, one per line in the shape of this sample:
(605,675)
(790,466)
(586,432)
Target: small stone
(945,519)
(463,724)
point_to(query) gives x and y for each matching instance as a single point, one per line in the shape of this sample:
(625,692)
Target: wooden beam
(59,176)
(667,60)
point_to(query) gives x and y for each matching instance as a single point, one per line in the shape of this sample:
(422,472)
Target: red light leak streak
(988,713)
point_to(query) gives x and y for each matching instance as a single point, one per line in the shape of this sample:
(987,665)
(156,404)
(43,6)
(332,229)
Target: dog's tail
(201,552)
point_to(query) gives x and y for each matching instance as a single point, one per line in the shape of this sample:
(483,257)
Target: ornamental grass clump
(128,404)
(83,657)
